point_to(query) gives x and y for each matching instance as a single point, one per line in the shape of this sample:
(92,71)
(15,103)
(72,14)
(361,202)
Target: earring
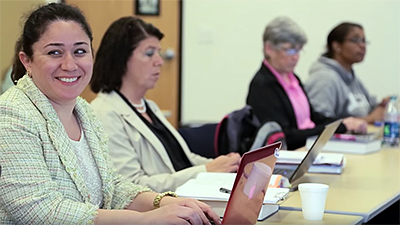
(29,73)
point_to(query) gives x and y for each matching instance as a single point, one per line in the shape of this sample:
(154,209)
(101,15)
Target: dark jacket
(271,103)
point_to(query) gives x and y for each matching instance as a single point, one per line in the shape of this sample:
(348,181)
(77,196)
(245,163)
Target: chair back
(268,133)
(236,132)
(200,139)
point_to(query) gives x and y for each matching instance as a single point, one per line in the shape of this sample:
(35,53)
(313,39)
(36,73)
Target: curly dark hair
(37,23)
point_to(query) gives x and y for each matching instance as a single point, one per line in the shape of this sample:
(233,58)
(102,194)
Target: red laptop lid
(250,185)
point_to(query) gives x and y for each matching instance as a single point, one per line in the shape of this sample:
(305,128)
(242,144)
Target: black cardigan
(271,103)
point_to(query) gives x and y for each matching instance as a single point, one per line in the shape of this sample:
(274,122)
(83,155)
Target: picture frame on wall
(147,7)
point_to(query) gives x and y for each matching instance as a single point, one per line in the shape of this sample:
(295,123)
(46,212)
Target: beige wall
(222,49)
(11,12)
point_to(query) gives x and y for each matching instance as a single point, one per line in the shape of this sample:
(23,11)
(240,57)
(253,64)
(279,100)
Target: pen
(225,190)
(282,195)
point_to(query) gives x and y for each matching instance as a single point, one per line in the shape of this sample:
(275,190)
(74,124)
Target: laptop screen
(315,149)
(250,185)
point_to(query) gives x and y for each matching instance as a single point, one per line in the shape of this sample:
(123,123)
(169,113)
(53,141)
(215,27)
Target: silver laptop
(294,172)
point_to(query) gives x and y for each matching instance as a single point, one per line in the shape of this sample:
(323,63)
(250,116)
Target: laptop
(294,172)
(250,186)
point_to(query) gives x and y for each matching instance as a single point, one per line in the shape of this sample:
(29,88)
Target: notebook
(250,185)
(294,172)
(351,143)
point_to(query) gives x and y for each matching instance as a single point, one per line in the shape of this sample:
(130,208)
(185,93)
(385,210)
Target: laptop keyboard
(280,171)
(284,172)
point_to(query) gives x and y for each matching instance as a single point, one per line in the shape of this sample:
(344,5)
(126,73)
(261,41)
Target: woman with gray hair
(277,94)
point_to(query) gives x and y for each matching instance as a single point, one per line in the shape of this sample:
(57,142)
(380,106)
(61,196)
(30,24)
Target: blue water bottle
(391,123)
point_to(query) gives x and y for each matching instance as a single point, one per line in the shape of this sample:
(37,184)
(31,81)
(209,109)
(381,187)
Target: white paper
(295,157)
(206,187)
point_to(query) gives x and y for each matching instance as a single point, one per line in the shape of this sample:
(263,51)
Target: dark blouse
(175,152)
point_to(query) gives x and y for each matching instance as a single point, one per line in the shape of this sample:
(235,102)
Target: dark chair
(236,131)
(200,139)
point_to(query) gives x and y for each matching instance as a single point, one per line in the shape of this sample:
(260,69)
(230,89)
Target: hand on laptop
(355,125)
(225,163)
(186,211)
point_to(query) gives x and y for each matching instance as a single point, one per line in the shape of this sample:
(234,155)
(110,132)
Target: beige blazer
(41,182)
(136,151)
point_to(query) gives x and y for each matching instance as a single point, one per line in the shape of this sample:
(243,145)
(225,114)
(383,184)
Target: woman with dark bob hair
(54,154)
(144,146)
(333,87)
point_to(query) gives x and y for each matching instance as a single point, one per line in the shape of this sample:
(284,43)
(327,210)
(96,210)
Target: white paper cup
(257,179)
(313,198)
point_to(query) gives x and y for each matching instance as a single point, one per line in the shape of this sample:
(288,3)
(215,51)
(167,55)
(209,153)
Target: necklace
(141,105)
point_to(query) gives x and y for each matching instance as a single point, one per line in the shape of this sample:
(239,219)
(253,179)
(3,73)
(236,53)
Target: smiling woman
(54,153)
(62,63)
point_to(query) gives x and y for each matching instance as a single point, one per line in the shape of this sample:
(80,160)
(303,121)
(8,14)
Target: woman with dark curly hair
(54,154)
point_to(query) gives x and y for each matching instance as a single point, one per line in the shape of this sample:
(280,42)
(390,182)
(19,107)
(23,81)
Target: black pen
(225,190)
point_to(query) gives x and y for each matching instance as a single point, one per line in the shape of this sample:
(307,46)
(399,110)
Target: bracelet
(157,199)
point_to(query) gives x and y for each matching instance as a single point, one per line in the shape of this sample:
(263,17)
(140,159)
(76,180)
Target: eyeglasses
(290,51)
(358,40)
